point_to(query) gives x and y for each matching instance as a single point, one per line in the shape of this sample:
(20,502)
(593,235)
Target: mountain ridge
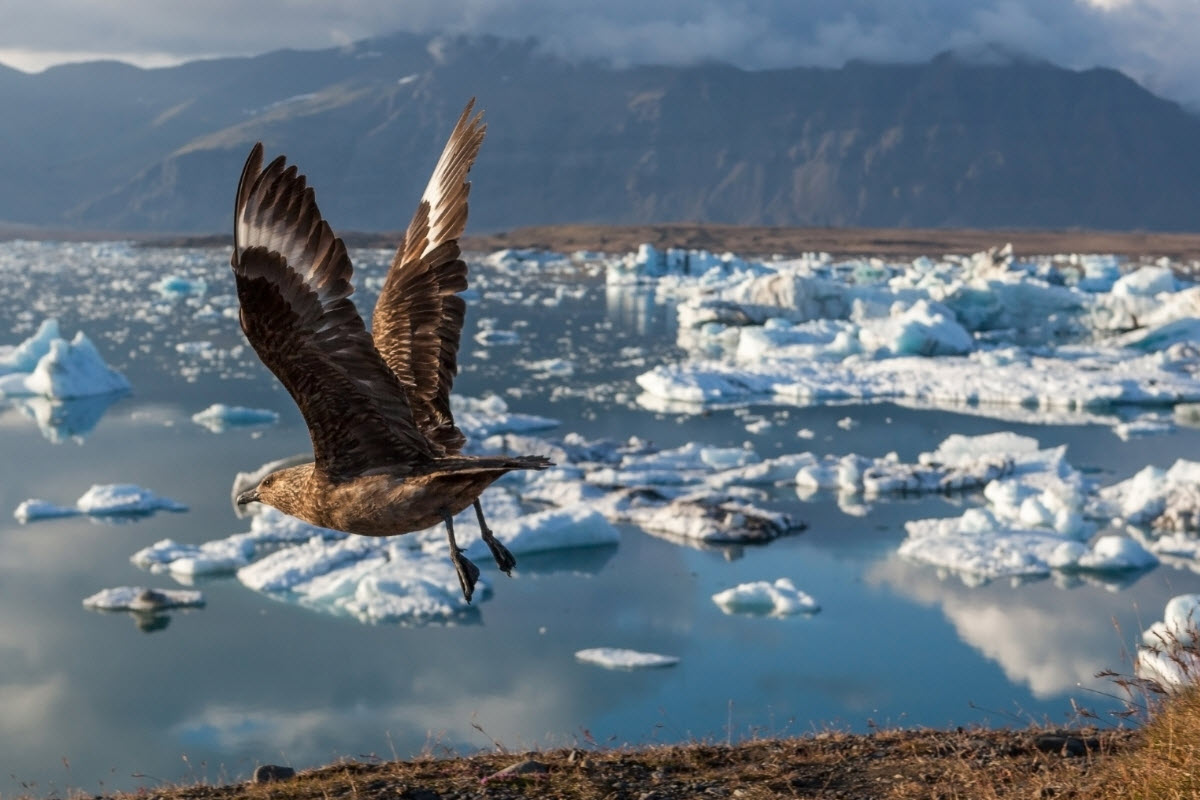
(946,143)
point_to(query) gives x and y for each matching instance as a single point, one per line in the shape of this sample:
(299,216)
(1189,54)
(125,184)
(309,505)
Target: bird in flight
(387,455)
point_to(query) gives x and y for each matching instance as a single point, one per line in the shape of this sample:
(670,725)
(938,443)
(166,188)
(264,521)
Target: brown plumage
(387,454)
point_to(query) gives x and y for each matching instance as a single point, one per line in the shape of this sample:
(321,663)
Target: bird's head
(281,489)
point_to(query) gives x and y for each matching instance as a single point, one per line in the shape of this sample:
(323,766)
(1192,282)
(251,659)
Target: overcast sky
(1153,41)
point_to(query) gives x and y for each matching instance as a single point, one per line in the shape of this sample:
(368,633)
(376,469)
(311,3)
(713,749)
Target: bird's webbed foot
(504,559)
(468,573)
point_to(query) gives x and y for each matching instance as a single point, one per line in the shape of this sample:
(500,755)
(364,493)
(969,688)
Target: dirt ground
(891,242)
(887,765)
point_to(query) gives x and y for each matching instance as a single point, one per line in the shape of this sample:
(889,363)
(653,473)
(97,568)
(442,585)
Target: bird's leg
(468,573)
(504,559)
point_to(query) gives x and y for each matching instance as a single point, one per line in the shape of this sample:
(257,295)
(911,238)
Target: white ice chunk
(980,549)
(1114,554)
(715,519)
(180,285)
(124,498)
(1164,499)
(778,599)
(367,578)
(34,509)
(617,658)
(480,418)
(925,329)
(139,598)
(269,527)
(1145,282)
(69,369)
(25,356)
(219,417)
(284,569)
(1169,655)
(553,367)
(575,526)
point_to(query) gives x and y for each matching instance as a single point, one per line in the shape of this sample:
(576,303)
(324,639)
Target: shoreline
(744,240)
(897,764)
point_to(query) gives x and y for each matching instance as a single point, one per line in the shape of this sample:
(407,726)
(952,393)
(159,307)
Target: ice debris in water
(990,333)
(778,599)
(139,598)
(267,528)
(180,286)
(1042,517)
(107,500)
(220,417)
(48,365)
(124,499)
(1168,654)
(618,658)
(34,509)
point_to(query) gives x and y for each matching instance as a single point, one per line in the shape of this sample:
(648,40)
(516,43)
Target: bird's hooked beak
(248,497)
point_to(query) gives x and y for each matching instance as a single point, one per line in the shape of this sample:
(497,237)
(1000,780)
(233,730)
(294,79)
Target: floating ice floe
(141,599)
(1038,519)
(372,580)
(268,528)
(617,658)
(552,367)
(108,500)
(489,334)
(220,417)
(987,333)
(180,286)
(50,366)
(1164,500)
(34,509)
(481,417)
(124,499)
(778,599)
(1169,654)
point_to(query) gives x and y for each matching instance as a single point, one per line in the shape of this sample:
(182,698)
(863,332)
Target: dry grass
(1165,763)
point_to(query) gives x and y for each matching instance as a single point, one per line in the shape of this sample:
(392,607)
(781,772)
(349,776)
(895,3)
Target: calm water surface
(91,700)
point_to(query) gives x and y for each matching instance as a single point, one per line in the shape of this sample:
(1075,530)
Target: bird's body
(387,454)
(382,504)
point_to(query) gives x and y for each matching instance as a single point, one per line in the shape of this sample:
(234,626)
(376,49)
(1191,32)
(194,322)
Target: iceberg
(66,370)
(25,356)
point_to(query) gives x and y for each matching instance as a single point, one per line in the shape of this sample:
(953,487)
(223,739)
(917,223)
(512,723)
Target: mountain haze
(953,142)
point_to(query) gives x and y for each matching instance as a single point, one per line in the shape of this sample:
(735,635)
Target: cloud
(1149,39)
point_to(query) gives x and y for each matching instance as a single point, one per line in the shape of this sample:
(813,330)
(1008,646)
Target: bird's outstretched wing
(293,283)
(419,317)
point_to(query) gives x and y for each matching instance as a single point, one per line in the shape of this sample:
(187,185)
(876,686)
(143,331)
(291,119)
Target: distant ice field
(835,491)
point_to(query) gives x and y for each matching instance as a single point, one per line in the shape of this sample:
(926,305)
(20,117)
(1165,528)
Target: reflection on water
(250,680)
(62,420)
(631,307)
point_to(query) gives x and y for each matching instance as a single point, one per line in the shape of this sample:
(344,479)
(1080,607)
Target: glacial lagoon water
(93,700)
